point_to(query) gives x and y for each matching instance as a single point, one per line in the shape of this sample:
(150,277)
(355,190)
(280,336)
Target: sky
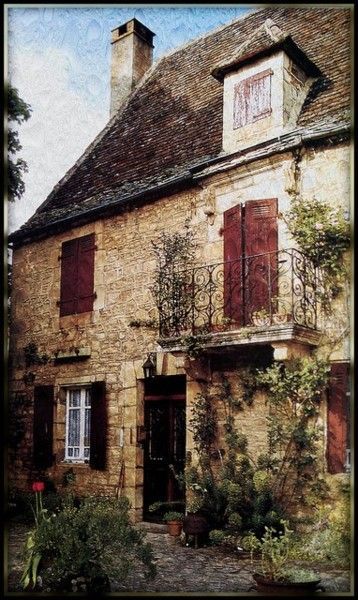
(59,60)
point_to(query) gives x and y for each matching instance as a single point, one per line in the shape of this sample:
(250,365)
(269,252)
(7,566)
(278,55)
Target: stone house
(214,137)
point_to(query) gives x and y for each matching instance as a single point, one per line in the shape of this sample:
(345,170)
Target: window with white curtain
(78,424)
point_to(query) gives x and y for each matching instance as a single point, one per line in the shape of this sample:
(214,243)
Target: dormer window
(266,82)
(252,99)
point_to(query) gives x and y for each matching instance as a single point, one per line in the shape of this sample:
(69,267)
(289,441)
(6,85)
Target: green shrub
(90,543)
(173,516)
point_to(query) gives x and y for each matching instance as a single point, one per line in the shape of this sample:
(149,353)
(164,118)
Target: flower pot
(284,588)
(174,527)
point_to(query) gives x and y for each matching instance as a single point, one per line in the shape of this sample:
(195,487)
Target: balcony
(256,299)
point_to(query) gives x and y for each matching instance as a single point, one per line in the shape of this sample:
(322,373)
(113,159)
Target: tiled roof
(174,119)
(264,40)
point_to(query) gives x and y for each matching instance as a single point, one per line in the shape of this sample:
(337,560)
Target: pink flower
(319,226)
(38,486)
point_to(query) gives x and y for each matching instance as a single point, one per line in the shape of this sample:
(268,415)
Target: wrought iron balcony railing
(261,290)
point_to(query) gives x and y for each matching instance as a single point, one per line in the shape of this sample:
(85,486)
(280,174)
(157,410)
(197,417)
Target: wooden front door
(164,448)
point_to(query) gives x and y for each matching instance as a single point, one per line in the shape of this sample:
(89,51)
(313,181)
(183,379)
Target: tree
(18,112)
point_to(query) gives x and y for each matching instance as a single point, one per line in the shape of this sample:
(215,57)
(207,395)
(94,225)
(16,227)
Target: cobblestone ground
(180,569)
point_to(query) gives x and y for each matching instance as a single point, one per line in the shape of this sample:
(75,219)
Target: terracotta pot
(285,588)
(174,527)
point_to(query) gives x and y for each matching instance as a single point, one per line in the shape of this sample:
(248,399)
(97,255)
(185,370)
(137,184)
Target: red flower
(38,486)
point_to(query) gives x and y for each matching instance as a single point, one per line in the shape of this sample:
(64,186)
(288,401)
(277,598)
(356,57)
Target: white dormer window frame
(252,99)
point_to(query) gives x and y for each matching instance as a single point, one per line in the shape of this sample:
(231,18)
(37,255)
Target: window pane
(86,441)
(74,427)
(87,398)
(86,453)
(75,398)
(76,452)
(70,452)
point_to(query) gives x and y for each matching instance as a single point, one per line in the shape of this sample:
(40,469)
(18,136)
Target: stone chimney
(132,56)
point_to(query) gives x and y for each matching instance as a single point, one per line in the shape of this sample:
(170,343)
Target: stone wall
(124,265)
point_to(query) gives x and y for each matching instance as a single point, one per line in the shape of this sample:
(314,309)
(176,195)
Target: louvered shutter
(240,104)
(252,99)
(43,426)
(261,244)
(86,248)
(337,426)
(233,307)
(98,433)
(259,105)
(69,262)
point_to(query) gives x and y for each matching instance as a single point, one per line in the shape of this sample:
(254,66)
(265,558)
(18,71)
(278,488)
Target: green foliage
(299,575)
(217,536)
(329,538)
(173,516)
(18,112)
(203,423)
(94,540)
(193,345)
(274,547)
(32,356)
(323,235)
(294,394)
(171,289)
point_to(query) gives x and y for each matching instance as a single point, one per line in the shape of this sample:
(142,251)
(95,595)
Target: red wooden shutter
(98,426)
(77,275)
(43,426)
(261,244)
(252,99)
(259,96)
(233,308)
(86,248)
(68,298)
(240,104)
(337,426)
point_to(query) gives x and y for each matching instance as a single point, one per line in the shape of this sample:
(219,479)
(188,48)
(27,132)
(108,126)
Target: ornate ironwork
(261,290)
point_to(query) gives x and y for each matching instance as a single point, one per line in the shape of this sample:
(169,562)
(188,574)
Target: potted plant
(276,573)
(174,521)
(261,318)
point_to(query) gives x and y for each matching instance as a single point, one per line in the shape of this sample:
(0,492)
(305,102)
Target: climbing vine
(174,256)
(323,234)
(237,492)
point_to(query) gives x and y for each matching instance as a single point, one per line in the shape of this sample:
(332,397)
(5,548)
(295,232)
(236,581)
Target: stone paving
(181,569)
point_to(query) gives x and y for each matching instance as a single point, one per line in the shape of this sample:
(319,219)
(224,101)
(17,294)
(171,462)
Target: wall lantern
(150,366)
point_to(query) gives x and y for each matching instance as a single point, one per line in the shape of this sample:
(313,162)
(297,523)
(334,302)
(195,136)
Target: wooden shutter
(233,308)
(259,94)
(77,275)
(337,426)
(68,298)
(261,244)
(98,426)
(252,99)
(43,426)
(86,248)
(240,104)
